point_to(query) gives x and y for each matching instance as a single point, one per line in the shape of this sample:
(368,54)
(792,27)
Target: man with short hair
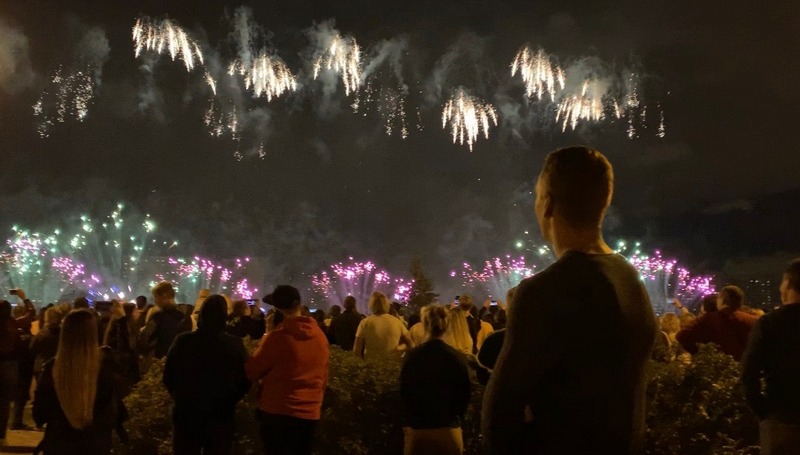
(166,324)
(345,326)
(204,374)
(773,355)
(570,375)
(729,327)
(291,364)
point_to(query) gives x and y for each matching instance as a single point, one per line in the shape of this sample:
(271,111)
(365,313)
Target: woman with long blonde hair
(457,334)
(76,396)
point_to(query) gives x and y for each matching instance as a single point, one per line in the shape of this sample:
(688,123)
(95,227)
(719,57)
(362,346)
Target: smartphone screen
(458,297)
(493,303)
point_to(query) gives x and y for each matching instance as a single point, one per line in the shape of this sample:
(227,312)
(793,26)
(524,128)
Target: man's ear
(549,206)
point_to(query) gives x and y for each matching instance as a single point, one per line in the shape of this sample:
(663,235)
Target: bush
(692,409)
(699,408)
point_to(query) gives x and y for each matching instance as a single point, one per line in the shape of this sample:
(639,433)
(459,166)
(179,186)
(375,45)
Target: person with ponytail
(76,398)
(435,389)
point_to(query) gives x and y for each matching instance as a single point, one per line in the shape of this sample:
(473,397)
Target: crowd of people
(562,360)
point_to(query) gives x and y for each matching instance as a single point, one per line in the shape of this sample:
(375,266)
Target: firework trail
(540,75)
(342,56)
(266,75)
(468,116)
(166,36)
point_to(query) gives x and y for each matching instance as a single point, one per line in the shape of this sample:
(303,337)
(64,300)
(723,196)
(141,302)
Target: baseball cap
(283,297)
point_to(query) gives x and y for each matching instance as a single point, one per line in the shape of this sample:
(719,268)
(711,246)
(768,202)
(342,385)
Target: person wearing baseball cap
(291,366)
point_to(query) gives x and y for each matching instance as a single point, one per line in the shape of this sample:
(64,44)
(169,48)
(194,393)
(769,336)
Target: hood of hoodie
(300,327)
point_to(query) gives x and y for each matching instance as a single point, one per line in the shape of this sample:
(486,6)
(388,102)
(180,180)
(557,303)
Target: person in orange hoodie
(291,366)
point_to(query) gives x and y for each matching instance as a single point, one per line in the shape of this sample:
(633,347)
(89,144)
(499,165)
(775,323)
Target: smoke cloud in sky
(16,72)
(337,171)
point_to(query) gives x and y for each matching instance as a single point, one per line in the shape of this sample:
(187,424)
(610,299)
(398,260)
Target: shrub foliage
(695,408)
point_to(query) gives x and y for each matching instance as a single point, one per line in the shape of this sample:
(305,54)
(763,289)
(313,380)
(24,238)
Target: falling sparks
(221,118)
(389,103)
(191,275)
(266,75)
(497,276)
(67,96)
(587,106)
(467,117)
(540,75)
(166,36)
(360,280)
(342,56)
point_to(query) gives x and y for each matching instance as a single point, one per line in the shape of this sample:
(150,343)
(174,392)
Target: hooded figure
(205,377)
(291,363)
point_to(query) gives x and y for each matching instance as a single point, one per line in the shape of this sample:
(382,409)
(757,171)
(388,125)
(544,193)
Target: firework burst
(342,56)
(468,116)
(587,106)
(540,75)
(266,75)
(497,276)
(68,96)
(166,36)
(360,280)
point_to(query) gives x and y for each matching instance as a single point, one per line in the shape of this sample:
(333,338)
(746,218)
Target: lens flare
(468,116)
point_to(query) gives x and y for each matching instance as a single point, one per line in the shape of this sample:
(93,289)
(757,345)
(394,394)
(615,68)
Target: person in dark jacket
(729,327)
(242,324)
(570,377)
(345,326)
(120,338)
(166,324)
(435,389)
(25,358)
(76,398)
(205,377)
(14,356)
(773,355)
(45,344)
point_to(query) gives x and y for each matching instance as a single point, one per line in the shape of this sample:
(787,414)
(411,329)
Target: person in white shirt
(381,333)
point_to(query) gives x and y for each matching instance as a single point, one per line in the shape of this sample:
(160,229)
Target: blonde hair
(670,323)
(53,316)
(164,289)
(378,303)
(77,368)
(435,320)
(457,333)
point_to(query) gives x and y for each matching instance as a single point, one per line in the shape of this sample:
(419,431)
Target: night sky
(720,185)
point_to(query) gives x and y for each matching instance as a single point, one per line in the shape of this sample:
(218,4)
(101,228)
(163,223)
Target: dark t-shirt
(570,376)
(434,386)
(344,329)
(774,354)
